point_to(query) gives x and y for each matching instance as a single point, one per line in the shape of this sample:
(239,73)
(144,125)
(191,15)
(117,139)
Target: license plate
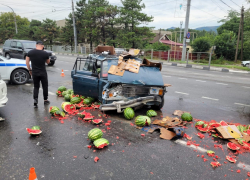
(154,91)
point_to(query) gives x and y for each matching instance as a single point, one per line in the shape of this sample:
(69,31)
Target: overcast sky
(166,13)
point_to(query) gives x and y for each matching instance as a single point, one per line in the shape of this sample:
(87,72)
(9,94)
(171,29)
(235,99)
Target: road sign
(188,35)
(187,40)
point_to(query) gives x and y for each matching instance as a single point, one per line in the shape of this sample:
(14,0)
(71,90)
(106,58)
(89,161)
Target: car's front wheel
(246,65)
(51,63)
(19,76)
(7,55)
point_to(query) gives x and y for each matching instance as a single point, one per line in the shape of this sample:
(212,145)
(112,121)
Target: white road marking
(182,78)
(222,84)
(51,93)
(166,76)
(65,70)
(245,87)
(184,143)
(244,166)
(209,98)
(58,69)
(27,84)
(200,81)
(242,104)
(181,93)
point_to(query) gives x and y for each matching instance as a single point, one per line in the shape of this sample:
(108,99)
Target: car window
(19,45)
(104,69)
(13,44)
(7,43)
(29,45)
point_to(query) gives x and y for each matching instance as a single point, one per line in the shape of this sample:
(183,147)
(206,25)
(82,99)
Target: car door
(85,81)
(13,49)
(19,50)
(3,69)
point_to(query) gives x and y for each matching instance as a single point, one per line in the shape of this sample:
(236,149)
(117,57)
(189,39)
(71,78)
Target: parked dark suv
(19,49)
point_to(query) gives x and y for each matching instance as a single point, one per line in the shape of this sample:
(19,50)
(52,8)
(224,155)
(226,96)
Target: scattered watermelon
(202,129)
(64,93)
(97,121)
(62,88)
(223,123)
(151,113)
(36,128)
(129,113)
(75,100)
(86,116)
(198,123)
(210,153)
(101,143)
(82,97)
(201,135)
(142,121)
(214,125)
(82,114)
(215,164)
(95,133)
(187,136)
(59,93)
(68,107)
(53,109)
(232,146)
(186,117)
(59,113)
(96,105)
(205,125)
(230,159)
(87,102)
(78,106)
(34,131)
(67,97)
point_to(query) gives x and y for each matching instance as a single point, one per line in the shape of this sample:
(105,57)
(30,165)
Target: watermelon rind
(36,128)
(232,146)
(91,99)
(33,131)
(53,109)
(142,121)
(97,121)
(205,125)
(62,88)
(151,113)
(66,104)
(129,113)
(230,159)
(199,123)
(210,152)
(101,143)
(58,93)
(67,97)
(87,101)
(81,115)
(60,113)
(240,140)
(214,164)
(186,117)
(94,134)
(70,91)
(64,93)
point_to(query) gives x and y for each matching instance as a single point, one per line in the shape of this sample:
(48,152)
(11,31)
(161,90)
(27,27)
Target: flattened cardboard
(179,112)
(234,141)
(168,122)
(166,134)
(112,69)
(246,138)
(134,52)
(229,132)
(101,49)
(148,63)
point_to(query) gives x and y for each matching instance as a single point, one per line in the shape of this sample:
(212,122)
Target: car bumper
(3,93)
(119,105)
(52,58)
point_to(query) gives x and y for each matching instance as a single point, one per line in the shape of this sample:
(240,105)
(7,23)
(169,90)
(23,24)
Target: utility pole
(239,32)
(181,29)
(74,25)
(14,17)
(242,32)
(184,50)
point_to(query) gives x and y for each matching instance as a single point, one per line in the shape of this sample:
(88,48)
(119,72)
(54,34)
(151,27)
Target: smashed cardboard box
(179,112)
(166,134)
(169,122)
(101,49)
(229,132)
(148,63)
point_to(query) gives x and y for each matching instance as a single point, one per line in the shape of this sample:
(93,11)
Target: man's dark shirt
(38,59)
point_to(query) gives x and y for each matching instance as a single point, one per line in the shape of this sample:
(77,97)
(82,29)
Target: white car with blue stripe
(14,70)
(3,93)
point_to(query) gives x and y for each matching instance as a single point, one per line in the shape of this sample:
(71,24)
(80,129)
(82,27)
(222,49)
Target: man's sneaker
(46,102)
(35,103)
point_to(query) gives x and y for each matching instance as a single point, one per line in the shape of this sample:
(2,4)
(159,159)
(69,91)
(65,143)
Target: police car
(14,70)
(3,93)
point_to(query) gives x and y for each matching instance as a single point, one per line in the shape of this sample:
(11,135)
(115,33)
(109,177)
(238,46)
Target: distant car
(245,63)
(3,93)
(1,52)
(14,70)
(19,49)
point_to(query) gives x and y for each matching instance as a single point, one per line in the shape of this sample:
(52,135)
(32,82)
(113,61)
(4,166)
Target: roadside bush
(201,44)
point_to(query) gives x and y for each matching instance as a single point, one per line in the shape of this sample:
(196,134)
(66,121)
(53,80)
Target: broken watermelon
(230,159)
(215,164)
(33,131)
(101,143)
(202,129)
(97,121)
(223,123)
(68,107)
(232,146)
(210,153)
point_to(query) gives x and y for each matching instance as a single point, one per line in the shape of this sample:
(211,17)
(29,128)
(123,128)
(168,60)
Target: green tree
(230,25)
(67,33)
(133,34)
(35,23)
(201,44)
(225,45)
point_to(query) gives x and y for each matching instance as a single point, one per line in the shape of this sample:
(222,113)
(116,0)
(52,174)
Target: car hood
(245,61)
(149,76)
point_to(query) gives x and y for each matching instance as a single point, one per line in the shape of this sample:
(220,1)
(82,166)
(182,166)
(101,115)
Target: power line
(226,4)
(219,6)
(206,12)
(235,3)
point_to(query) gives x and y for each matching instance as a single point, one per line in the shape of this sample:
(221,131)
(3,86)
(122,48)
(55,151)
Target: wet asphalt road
(61,151)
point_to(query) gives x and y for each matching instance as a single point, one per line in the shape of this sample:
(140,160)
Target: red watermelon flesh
(97,121)
(102,146)
(79,105)
(200,135)
(214,125)
(215,164)
(202,129)
(248,132)
(232,146)
(231,159)
(187,136)
(69,108)
(32,131)
(223,123)
(88,117)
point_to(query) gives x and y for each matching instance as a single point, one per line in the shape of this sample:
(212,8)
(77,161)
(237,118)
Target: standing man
(38,57)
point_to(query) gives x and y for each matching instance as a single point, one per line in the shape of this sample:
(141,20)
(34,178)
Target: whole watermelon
(62,88)
(91,99)
(70,91)
(94,134)
(87,101)
(75,100)
(151,113)
(129,113)
(186,117)
(64,93)
(142,121)
(67,97)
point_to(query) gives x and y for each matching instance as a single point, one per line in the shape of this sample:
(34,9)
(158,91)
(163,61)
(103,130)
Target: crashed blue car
(90,77)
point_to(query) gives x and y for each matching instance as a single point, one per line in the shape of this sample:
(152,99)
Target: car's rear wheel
(19,76)
(246,65)
(7,55)
(158,107)
(51,63)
